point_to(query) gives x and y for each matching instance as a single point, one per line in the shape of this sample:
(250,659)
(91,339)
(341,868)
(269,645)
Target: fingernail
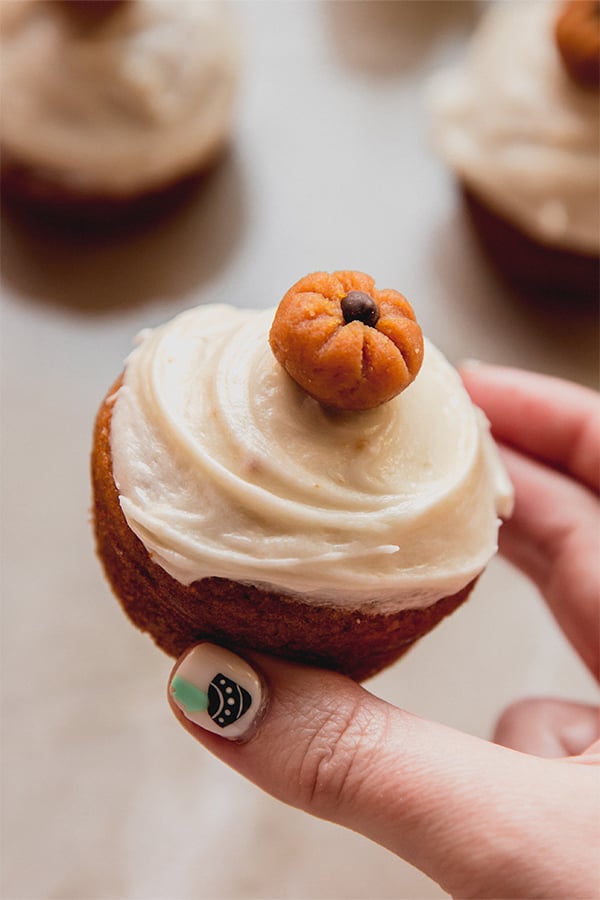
(218,690)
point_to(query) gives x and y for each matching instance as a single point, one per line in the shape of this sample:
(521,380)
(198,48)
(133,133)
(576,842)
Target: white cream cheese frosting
(122,103)
(225,467)
(515,128)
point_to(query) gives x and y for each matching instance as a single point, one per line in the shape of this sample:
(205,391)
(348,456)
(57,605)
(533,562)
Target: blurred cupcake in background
(110,108)
(517,120)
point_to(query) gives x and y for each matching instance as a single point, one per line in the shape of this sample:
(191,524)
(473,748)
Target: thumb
(460,809)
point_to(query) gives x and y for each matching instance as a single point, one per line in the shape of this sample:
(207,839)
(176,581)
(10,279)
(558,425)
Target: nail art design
(227,701)
(217,690)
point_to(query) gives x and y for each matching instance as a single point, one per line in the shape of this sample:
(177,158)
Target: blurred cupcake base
(47,202)
(536,270)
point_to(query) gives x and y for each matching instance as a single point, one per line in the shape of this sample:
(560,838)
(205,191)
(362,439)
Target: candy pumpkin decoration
(577,33)
(346,343)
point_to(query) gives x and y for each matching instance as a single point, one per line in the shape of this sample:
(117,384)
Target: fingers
(553,538)
(553,428)
(458,808)
(548,727)
(548,418)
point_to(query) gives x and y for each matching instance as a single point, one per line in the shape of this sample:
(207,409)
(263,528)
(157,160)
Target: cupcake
(110,108)
(311,482)
(518,122)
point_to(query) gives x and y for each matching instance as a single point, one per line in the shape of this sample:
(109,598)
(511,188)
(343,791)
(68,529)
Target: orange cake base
(237,615)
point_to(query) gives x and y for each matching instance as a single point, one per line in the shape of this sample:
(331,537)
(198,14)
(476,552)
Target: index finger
(553,420)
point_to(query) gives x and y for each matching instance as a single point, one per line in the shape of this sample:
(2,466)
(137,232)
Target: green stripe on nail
(187,695)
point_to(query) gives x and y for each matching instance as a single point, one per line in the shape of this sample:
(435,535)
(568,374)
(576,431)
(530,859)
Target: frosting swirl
(142,96)
(225,467)
(512,124)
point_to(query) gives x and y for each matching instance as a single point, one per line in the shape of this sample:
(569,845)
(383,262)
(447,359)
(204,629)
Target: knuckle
(339,755)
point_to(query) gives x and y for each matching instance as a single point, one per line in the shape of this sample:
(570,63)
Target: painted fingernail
(218,691)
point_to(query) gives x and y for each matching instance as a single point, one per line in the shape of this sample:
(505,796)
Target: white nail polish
(218,691)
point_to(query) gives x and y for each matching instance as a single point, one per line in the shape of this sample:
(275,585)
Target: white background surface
(104,796)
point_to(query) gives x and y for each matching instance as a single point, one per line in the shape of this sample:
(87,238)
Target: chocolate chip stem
(360,306)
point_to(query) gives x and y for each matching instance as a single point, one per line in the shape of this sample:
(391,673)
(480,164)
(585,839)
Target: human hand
(517,817)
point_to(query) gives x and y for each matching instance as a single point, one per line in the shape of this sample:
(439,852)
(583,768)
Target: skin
(518,816)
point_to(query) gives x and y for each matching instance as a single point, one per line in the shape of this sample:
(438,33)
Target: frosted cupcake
(259,482)
(109,107)
(518,122)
